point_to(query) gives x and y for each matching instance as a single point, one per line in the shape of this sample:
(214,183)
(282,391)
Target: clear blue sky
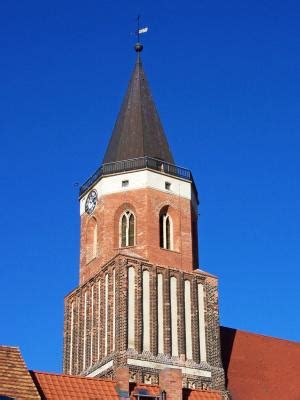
(226,80)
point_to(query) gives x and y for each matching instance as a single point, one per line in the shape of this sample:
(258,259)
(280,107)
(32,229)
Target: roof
(138,131)
(68,387)
(15,380)
(260,367)
(197,394)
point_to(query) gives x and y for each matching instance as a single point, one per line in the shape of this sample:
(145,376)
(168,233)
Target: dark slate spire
(138,131)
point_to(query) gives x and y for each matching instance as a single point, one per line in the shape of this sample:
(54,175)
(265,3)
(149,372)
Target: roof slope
(138,131)
(197,394)
(15,380)
(260,367)
(68,387)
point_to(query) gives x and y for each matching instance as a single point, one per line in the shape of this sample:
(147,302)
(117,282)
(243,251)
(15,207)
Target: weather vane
(139,47)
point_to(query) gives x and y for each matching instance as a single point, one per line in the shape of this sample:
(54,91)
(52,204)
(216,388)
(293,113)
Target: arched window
(91,240)
(127,233)
(166,231)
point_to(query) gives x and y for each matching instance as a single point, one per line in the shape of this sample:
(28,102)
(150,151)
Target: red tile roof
(260,367)
(15,380)
(196,394)
(68,387)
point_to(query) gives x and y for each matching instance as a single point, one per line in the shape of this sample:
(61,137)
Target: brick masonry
(146,204)
(84,334)
(170,382)
(96,313)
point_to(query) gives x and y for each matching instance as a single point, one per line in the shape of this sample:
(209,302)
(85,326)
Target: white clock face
(91,202)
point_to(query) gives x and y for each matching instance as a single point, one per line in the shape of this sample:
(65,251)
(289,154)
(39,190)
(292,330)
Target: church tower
(141,302)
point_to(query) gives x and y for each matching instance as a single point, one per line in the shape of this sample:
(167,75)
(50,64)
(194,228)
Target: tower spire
(138,131)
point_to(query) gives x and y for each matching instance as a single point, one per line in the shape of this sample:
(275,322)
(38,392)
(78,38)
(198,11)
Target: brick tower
(141,302)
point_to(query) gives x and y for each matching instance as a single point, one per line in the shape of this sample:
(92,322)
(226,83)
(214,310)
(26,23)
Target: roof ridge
(9,347)
(204,390)
(261,335)
(71,376)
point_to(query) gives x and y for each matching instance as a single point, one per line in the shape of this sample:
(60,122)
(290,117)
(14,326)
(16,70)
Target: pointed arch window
(166,231)
(127,229)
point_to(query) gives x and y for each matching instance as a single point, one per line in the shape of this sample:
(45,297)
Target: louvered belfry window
(127,229)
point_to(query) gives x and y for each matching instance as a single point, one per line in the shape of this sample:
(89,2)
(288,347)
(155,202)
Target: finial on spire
(138,46)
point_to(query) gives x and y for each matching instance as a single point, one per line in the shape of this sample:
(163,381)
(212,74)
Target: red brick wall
(146,205)
(170,381)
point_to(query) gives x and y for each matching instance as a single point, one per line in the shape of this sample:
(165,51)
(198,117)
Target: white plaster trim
(174,317)
(106,316)
(146,311)
(154,365)
(99,317)
(202,338)
(114,312)
(92,323)
(84,330)
(71,339)
(160,314)
(188,323)
(131,307)
(101,369)
(139,180)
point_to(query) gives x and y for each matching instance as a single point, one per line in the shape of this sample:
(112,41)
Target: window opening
(165,228)
(167,185)
(127,229)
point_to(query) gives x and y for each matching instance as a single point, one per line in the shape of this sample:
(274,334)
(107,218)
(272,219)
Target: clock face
(91,202)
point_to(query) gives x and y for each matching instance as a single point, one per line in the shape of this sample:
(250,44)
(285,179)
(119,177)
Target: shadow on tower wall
(227,336)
